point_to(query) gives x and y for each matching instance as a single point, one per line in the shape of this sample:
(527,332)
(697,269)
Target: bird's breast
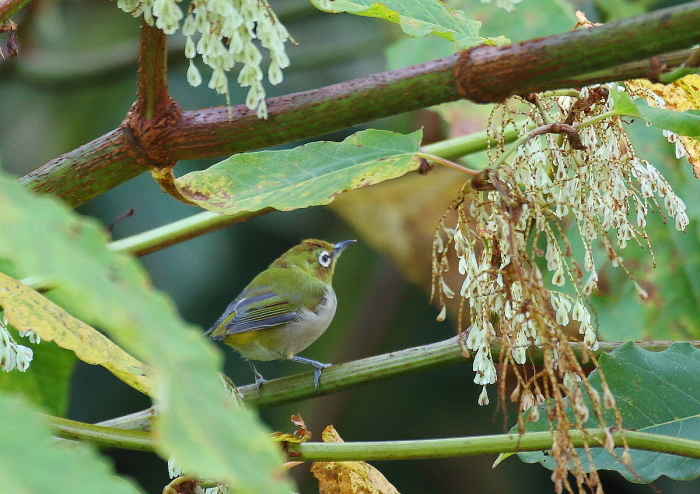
(310,325)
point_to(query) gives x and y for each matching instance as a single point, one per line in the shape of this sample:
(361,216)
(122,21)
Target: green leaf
(417,18)
(683,123)
(31,461)
(309,175)
(623,104)
(655,392)
(198,422)
(47,380)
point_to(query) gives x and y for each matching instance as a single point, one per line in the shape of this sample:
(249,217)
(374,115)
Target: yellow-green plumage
(285,308)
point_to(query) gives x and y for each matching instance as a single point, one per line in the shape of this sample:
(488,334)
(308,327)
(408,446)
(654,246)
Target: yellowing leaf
(27,310)
(348,477)
(309,175)
(680,95)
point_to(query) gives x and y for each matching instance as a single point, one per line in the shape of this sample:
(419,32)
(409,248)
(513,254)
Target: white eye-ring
(324,258)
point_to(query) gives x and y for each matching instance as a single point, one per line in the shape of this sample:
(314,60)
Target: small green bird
(285,308)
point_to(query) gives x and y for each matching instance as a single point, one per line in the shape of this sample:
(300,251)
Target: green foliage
(416,17)
(655,392)
(205,429)
(32,462)
(682,123)
(47,380)
(309,175)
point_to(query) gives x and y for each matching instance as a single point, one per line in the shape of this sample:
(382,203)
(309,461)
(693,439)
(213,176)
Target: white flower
(483,397)
(591,284)
(174,470)
(24,357)
(194,78)
(32,335)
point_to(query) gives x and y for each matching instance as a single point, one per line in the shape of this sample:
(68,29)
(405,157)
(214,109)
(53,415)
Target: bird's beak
(340,246)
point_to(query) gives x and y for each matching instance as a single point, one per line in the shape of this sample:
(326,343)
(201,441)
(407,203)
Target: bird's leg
(318,367)
(258,377)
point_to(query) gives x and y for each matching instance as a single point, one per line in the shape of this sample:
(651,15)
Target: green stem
(546,117)
(447,163)
(677,74)
(107,437)
(481,445)
(457,147)
(513,147)
(178,231)
(597,118)
(8,8)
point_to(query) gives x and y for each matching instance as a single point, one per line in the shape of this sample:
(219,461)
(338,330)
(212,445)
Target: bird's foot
(318,367)
(259,379)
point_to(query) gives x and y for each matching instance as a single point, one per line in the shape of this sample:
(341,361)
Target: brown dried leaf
(298,436)
(183,485)
(348,477)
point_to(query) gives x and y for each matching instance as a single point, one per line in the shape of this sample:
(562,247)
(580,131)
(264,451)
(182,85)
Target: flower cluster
(226,31)
(12,355)
(520,280)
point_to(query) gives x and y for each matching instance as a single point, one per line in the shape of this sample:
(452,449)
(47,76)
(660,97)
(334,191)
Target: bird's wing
(253,309)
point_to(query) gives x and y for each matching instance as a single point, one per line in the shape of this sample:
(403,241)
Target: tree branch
(544,63)
(484,73)
(390,365)
(152,98)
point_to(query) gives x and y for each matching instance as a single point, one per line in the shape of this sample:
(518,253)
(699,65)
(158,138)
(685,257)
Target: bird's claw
(317,372)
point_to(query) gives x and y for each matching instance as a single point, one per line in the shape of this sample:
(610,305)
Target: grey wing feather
(249,316)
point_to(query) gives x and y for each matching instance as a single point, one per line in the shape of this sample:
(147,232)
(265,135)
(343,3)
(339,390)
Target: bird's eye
(324,258)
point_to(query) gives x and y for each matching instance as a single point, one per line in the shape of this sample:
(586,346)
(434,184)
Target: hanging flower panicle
(571,173)
(513,213)
(223,33)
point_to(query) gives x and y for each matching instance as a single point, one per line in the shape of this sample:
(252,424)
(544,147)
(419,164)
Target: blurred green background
(75,80)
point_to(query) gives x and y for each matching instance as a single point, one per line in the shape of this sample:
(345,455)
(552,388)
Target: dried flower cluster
(226,30)
(572,173)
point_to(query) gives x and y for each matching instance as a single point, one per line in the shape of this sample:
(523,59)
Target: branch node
(144,141)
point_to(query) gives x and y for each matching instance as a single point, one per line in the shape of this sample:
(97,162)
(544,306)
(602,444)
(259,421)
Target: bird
(285,308)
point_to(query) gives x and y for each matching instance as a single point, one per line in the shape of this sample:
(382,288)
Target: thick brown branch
(492,73)
(152,98)
(485,73)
